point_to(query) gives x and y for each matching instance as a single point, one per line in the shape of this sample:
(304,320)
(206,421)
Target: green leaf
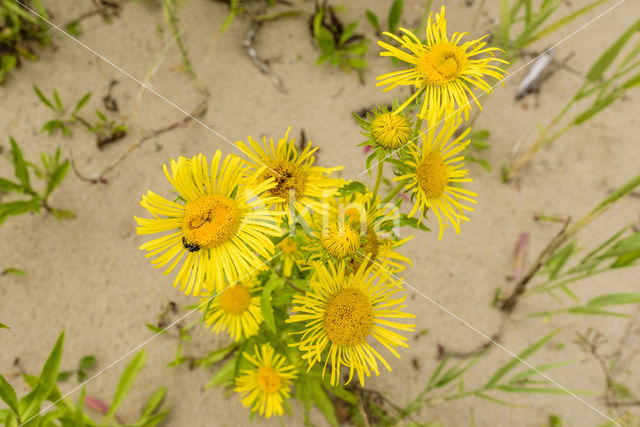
(505,23)
(13,271)
(395,12)
(57,176)
(224,374)
(6,185)
(56,97)
(598,106)
(154,402)
(350,188)
(3,326)
(18,207)
(605,60)
(8,395)
(559,259)
(613,299)
(556,25)
(20,166)
(373,20)
(82,102)
(61,214)
(43,98)
(357,63)
(265,301)
(87,362)
(63,376)
(325,40)
(47,379)
(323,402)
(504,370)
(126,382)
(347,32)
(217,355)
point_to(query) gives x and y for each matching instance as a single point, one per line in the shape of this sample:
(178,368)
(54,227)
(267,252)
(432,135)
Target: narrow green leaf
(57,176)
(20,166)
(505,23)
(265,301)
(154,402)
(6,185)
(224,374)
(373,20)
(323,402)
(126,382)
(595,109)
(3,326)
(395,12)
(13,271)
(350,188)
(613,299)
(43,98)
(347,32)
(504,370)
(556,25)
(8,395)
(18,207)
(47,379)
(82,102)
(56,97)
(605,60)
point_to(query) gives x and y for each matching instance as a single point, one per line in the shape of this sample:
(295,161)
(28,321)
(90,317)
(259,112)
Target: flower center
(268,379)
(432,175)
(390,130)
(288,246)
(441,64)
(287,177)
(348,318)
(341,240)
(210,221)
(235,299)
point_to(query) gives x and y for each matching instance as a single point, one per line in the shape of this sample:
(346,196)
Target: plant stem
(394,192)
(376,187)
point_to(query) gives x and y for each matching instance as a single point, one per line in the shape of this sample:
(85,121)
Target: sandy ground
(86,276)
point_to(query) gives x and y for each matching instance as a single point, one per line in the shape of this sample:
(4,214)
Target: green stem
(394,192)
(376,187)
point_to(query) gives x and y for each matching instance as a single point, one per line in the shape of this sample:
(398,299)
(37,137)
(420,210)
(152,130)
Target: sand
(87,277)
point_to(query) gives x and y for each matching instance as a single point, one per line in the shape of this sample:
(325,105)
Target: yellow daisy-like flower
(444,70)
(236,309)
(221,227)
(338,240)
(342,313)
(432,170)
(265,387)
(390,130)
(375,222)
(291,254)
(294,174)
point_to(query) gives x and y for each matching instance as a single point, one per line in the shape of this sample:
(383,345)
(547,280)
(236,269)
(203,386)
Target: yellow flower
(443,70)
(338,240)
(294,175)
(390,130)
(291,254)
(236,309)
(342,312)
(264,387)
(432,170)
(375,223)
(220,227)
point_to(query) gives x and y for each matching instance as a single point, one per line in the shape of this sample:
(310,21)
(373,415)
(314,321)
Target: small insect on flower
(342,312)
(444,71)
(264,387)
(220,225)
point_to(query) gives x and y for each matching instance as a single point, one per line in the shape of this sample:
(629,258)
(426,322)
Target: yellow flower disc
(442,64)
(390,130)
(432,175)
(235,299)
(268,379)
(348,317)
(288,177)
(210,220)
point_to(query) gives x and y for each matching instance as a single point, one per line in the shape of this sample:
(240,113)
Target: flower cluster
(300,267)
